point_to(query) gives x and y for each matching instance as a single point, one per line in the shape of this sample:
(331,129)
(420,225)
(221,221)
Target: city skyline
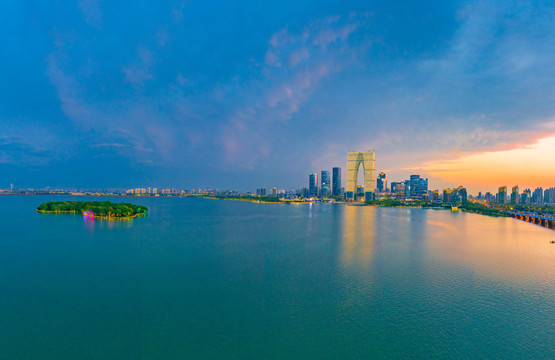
(178,94)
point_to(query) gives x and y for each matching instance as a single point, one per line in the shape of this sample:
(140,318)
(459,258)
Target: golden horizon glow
(530,166)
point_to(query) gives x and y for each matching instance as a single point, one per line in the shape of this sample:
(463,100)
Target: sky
(247,94)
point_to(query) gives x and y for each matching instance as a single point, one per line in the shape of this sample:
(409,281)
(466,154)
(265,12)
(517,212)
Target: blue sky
(249,93)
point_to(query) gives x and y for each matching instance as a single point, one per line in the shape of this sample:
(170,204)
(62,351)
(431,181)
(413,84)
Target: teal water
(214,279)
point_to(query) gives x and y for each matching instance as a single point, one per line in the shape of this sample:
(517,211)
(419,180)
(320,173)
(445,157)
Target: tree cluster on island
(95,208)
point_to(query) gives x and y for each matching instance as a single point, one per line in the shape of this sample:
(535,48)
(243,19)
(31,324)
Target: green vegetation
(402,203)
(545,209)
(478,208)
(97,208)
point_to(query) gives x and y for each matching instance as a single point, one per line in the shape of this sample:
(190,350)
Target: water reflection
(359,234)
(91,223)
(503,248)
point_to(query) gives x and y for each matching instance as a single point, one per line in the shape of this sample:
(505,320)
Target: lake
(214,279)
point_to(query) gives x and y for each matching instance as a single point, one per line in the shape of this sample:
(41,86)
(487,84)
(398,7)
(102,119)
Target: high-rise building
(398,188)
(463,193)
(488,197)
(313,184)
(407,189)
(336,188)
(325,183)
(381,182)
(435,195)
(368,161)
(526,197)
(418,187)
(537,196)
(515,196)
(261,192)
(455,196)
(549,196)
(502,195)
(394,186)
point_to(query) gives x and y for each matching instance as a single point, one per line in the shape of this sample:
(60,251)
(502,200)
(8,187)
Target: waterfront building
(515,196)
(418,187)
(455,196)
(502,195)
(399,190)
(537,196)
(463,193)
(360,192)
(382,182)
(313,184)
(336,188)
(368,161)
(549,196)
(393,187)
(526,197)
(488,197)
(261,192)
(407,189)
(274,192)
(435,195)
(325,183)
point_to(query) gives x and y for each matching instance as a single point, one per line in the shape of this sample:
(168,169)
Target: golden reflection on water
(503,248)
(359,233)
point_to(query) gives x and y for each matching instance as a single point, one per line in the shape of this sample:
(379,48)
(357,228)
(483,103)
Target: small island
(98,209)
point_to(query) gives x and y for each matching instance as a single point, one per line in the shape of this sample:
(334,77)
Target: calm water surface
(213,279)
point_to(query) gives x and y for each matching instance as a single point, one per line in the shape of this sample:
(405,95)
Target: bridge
(546,220)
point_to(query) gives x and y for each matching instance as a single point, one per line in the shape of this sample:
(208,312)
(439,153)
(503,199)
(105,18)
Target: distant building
(407,189)
(274,192)
(515,195)
(502,195)
(455,196)
(261,192)
(325,183)
(463,193)
(398,190)
(313,184)
(393,186)
(488,197)
(359,192)
(537,196)
(418,187)
(336,188)
(526,197)
(368,161)
(381,182)
(549,196)
(435,195)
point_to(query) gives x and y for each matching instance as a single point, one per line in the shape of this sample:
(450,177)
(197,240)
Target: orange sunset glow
(529,167)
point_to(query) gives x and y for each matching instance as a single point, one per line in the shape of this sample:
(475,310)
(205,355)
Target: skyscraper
(354,160)
(537,196)
(408,189)
(325,183)
(313,184)
(418,187)
(381,183)
(502,195)
(515,196)
(336,172)
(525,197)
